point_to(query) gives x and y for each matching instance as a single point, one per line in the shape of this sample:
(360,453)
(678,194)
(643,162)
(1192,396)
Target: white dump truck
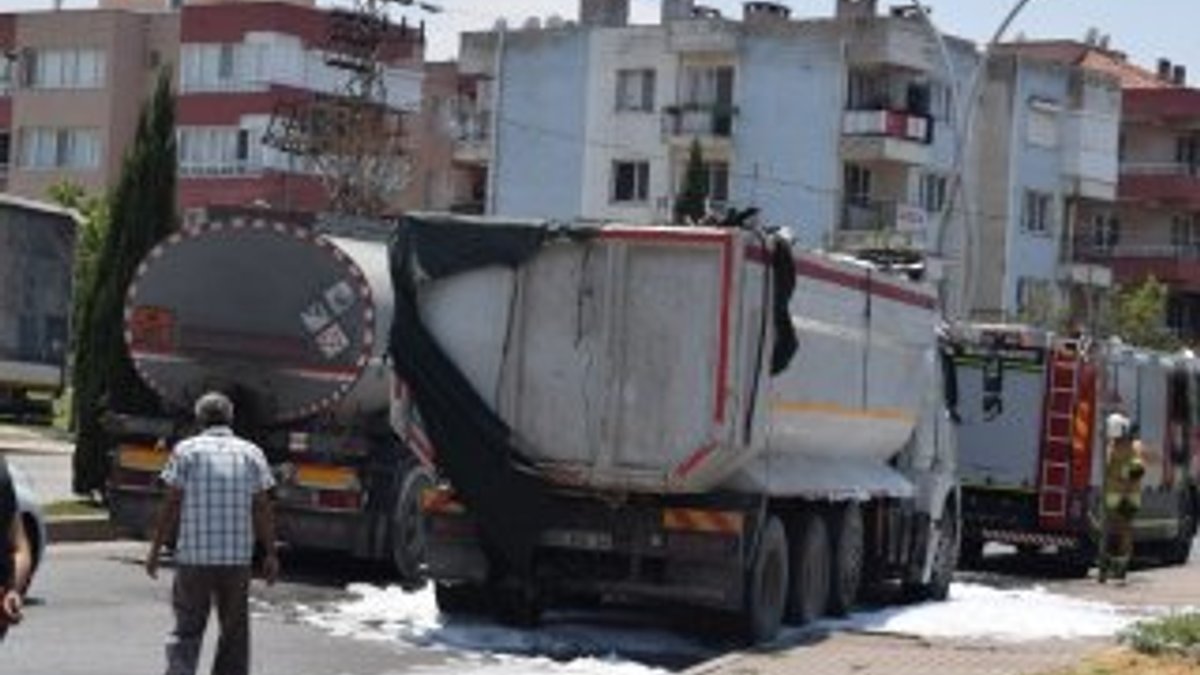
(291,322)
(1031,441)
(698,415)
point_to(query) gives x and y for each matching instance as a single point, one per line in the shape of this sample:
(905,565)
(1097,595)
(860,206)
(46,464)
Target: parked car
(31,513)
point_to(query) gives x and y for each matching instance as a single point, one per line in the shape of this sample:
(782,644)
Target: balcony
(698,120)
(1089,154)
(471,131)
(886,135)
(892,41)
(1174,183)
(1177,265)
(881,224)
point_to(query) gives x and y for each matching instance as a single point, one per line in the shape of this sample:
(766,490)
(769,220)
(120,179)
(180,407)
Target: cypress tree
(142,212)
(689,207)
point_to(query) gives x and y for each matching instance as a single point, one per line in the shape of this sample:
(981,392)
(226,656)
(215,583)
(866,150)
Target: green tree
(689,207)
(1138,315)
(93,214)
(141,213)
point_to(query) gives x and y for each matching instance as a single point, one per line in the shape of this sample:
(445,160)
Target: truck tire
(945,560)
(809,587)
(408,536)
(767,585)
(846,562)
(458,599)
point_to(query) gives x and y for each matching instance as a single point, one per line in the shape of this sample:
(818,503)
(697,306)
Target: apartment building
(71,85)
(837,127)
(75,80)
(1047,133)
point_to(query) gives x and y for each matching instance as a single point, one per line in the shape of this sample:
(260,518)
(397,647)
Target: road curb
(79,529)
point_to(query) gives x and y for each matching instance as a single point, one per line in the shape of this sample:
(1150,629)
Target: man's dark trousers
(196,589)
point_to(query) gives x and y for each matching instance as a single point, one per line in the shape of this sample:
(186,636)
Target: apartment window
(7,69)
(1037,212)
(635,90)
(1187,152)
(1042,129)
(631,181)
(1033,296)
(222,67)
(708,86)
(65,68)
(1185,234)
(941,100)
(868,90)
(5,149)
(59,148)
(933,192)
(1106,232)
(718,181)
(218,151)
(857,184)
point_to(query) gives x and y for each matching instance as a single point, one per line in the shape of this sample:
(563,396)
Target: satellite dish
(554,21)
(532,23)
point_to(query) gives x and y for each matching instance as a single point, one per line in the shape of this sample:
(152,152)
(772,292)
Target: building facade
(75,80)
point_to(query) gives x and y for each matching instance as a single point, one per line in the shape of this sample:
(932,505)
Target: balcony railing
(1160,169)
(889,124)
(237,168)
(881,224)
(699,120)
(1180,251)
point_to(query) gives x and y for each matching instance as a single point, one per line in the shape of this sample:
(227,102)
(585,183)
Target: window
(708,86)
(1036,214)
(718,181)
(65,68)
(868,90)
(933,192)
(1042,129)
(635,90)
(1034,298)
(1185,234)
(1106,232)
(1187,153)
(942,101)
(59,148)
(222,67)
(631,181)
(857,184)
(217,151)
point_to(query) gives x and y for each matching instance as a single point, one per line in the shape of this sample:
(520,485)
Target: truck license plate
(579,539)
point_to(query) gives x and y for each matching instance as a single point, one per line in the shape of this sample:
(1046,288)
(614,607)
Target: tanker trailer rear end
(622,412)
(291,324)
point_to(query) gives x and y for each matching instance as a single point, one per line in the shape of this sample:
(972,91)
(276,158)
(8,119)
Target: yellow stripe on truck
(142,458)
(326,477)
(702,520)
(838,410)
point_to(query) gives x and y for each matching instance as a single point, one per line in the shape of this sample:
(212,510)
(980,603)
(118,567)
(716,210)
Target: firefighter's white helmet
(1117,426)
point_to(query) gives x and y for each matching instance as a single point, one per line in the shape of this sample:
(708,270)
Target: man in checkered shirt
(217,501)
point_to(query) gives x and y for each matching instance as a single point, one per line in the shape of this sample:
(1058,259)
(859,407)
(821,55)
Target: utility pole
(354,138)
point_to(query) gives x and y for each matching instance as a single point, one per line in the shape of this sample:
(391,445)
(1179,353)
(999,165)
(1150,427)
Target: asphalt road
(95,612)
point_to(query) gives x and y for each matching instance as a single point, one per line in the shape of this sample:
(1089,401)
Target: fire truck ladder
(1062,397)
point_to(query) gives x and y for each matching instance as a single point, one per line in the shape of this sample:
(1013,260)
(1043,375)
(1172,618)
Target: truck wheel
(767,584)
(808,592)
(463,598)
(846,543)
(945,560)
(408,524)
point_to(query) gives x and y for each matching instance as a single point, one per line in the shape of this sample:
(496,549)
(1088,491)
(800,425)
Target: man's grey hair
(214,409)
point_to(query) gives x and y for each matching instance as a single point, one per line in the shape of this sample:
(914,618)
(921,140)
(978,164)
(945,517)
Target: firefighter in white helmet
(1125,464)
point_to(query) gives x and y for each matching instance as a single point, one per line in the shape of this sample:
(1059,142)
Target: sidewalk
(45,454)
(844,653)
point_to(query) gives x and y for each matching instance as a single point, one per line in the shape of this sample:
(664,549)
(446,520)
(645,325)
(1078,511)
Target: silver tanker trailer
(292,324)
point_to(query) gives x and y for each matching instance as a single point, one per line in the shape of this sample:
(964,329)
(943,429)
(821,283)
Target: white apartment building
(841,128)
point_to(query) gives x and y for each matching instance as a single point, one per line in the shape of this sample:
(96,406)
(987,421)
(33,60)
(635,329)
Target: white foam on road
(975,611)
(608,642)
(578,643)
